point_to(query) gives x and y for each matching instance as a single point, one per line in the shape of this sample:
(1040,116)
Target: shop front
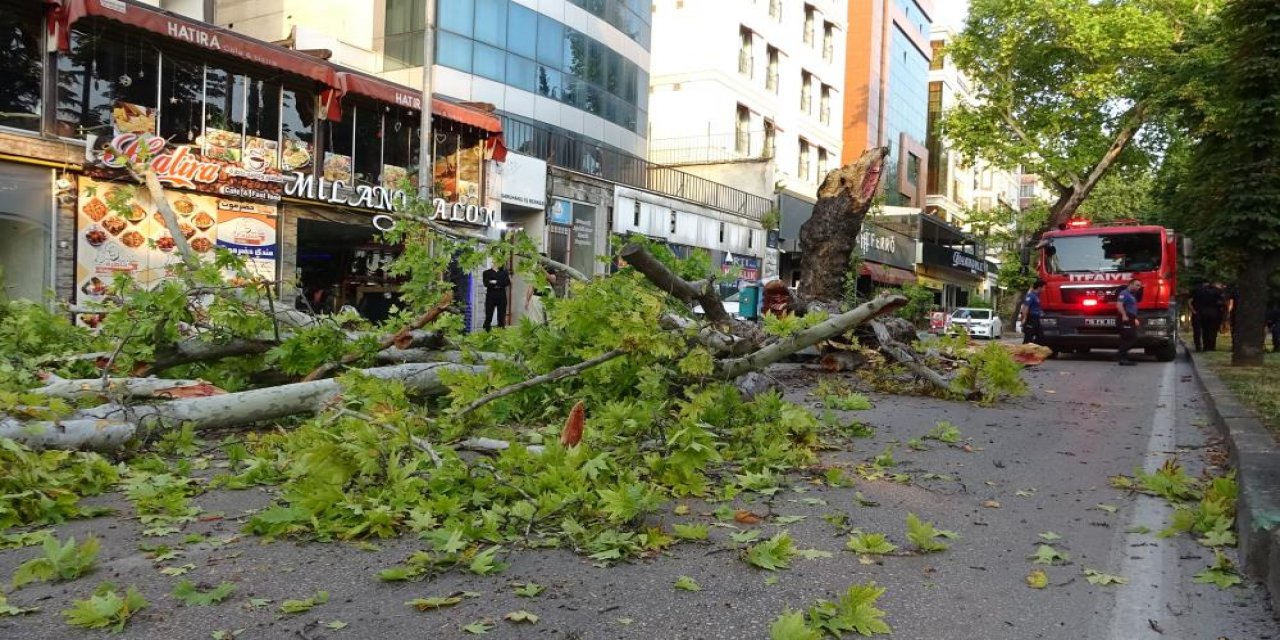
(26,231)
(274,155)
(522,188)
(955,275)
(887,259)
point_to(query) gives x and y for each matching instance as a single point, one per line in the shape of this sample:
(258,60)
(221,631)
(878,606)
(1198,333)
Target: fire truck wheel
(1165,352)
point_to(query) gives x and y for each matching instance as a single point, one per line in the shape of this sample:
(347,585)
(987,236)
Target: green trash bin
(749,302)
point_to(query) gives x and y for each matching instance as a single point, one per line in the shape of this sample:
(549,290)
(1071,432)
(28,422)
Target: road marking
(1151,570)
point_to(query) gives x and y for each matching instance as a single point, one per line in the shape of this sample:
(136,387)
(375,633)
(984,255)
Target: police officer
(1031,312)
(1206,306)
(1127,306)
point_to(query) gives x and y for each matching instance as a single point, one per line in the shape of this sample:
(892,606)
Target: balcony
(711,149)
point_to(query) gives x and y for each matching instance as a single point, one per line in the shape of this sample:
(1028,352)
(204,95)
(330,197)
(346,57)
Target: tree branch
(388,341)
(551,376)
(475,237)
(657,273)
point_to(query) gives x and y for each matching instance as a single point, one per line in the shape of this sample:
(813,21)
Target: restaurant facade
(274,154)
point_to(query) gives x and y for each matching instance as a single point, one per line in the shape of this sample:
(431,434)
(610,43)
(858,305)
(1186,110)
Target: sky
(951,12)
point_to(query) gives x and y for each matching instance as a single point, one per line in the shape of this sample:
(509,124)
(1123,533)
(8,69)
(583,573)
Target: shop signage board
(187,167)
(939,256)
(561,212)
(306,186)
(749,267)
(886,247)
(523,180)
(136,241)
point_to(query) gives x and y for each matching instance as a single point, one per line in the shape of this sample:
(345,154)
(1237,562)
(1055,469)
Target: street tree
(1067,89)
(1222,184)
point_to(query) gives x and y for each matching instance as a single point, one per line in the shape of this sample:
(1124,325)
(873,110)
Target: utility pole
(425,155)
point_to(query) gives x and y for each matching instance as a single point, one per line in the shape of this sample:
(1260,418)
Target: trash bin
(749,302)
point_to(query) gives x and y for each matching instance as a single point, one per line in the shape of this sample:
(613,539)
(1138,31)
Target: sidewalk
(1255,454)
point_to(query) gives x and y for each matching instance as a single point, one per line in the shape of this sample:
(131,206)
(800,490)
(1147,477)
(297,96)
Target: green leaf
(772,554)
(870,543)
(1049,536)
(791,625)
(687,584)
(1097,577)
(944,432)
(178,570)
(1222,572)
(923,535)
(61,561)
(302,606)
(435,602)
(521,616)
(105,608)
(529,590)
(485,563)
(1219,538)
(336,625)
(187,592)
(1037,579)
(785,520)
(479,628)
(743,537)
(1109,508)
(7,609)
(691,531)
(1046,554)
(854,611)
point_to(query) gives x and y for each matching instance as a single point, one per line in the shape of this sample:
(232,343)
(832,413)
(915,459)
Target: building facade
(569,80)
(275,155)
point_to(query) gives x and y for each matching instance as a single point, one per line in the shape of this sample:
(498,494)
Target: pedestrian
(1127,306)
(537,296)
(1206,309)
(496,282)
(1031,313)
(1273,321)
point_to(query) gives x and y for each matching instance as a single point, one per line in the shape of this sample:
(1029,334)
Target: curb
(1256,456)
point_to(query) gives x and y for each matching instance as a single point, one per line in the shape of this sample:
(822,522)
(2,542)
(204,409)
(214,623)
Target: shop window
(224,105)
(457,161)
(297,122)
(262,122)
(25,232)
(368,144)
(181,97)
(399,146)
(338,143)
(100,74)
(21,67)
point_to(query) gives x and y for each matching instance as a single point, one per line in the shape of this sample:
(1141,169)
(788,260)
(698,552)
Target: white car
(980,323)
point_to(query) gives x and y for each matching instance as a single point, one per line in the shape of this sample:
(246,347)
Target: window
(828,42)
(751,239)
(491,22)
(404,26)
(802,168)
(808,24)
(1027,191)
(297,119)
(522,30)
(770,134)
(489,62)
(636,215)
(771,73)
(806,92)
(824,107)
(744,52)
(399,147)
(721,233)
(775,10)
(936,60)
(913,168)
(339,138)
(224,107)
(822,163)
(742,139)
(550,37)
(1107,252)
(368,144)
(453,51)
(673,221)
(457,16)
(99,73)
(21,68)
(181,93)
(522,73)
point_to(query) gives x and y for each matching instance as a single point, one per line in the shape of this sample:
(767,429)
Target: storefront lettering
(869,241)
(180,168)
(467,213)
(193,35)
(1099,277)
(963,260)
(309,187)
(409,100)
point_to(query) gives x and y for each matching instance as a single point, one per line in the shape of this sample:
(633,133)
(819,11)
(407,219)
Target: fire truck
(1084,267)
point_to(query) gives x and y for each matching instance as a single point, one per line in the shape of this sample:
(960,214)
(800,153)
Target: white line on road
(1151,570)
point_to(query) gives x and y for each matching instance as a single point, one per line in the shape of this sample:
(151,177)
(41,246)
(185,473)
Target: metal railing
(704,149)
(584,156)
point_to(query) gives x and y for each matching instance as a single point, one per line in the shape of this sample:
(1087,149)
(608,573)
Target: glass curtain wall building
(564,64)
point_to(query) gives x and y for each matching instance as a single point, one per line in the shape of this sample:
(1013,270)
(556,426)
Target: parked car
(980,323)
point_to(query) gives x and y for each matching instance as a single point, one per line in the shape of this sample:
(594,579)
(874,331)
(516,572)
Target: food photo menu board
(131,236)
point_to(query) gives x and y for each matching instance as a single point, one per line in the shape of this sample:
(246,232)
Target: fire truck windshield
(1103,252)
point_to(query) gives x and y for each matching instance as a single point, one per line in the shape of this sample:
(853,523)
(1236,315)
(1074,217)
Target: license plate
(1100,322)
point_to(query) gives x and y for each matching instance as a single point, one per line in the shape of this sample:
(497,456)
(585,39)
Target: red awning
(67,12)
(886,274)
(357,83)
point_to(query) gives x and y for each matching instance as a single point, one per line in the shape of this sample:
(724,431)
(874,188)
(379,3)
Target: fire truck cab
(1085,266)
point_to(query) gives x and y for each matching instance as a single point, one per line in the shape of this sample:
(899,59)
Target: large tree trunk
(1248,330)
(829,237)
(109,427)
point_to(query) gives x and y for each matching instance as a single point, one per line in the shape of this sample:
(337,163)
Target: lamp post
(425,154)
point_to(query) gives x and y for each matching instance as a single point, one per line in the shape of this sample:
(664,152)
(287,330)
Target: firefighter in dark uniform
(1031,313)
(1127,305)
(1206,307)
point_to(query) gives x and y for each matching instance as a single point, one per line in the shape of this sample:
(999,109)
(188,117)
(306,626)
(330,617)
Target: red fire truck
(1084,266)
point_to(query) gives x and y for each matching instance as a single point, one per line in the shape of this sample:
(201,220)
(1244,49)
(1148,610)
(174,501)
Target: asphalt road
(1045,459)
